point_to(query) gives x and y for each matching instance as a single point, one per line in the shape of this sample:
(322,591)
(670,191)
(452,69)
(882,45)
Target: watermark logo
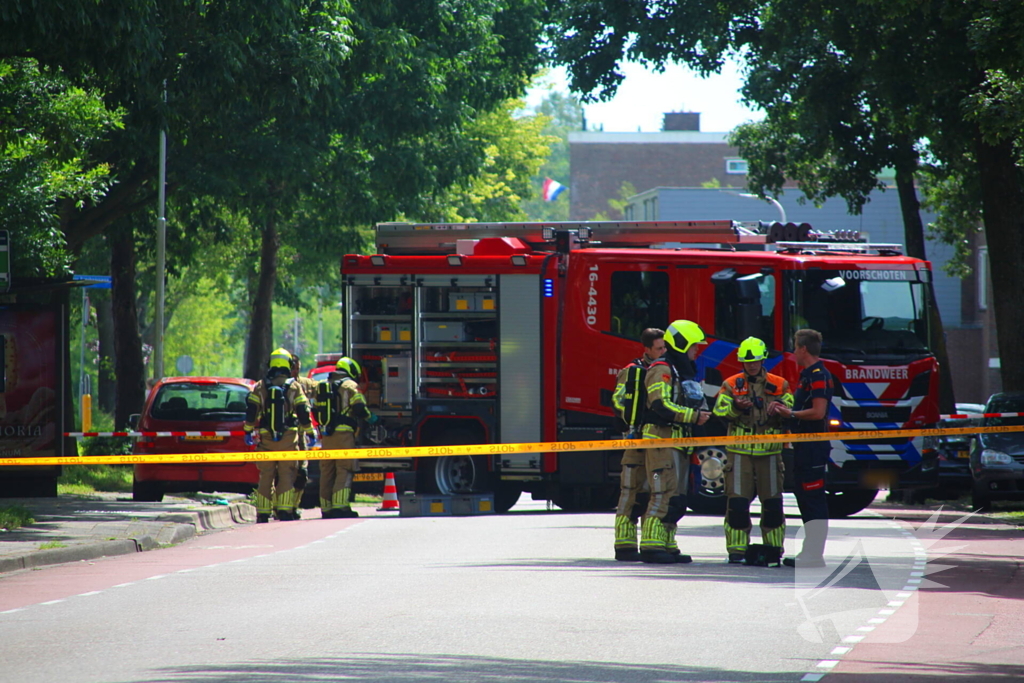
(871,578)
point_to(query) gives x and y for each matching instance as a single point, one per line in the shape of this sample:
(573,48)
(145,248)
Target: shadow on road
(370,668)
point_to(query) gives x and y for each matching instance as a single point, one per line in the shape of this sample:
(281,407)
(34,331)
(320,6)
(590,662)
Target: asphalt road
(529,596)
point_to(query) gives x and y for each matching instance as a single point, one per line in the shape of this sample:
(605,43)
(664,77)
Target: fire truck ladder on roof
(441,238)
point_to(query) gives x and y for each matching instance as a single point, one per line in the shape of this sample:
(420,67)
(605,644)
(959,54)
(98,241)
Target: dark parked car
(997,460)
(193,404)
(955,451)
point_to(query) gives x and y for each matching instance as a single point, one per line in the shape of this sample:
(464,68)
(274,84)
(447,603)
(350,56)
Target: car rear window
(200,402)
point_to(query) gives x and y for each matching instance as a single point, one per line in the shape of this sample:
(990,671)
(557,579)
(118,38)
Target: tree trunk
(261,328)
(1002,204)
(913,234)
(106,386)
(129,369)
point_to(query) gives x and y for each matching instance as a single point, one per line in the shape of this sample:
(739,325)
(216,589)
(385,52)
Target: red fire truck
(514,332)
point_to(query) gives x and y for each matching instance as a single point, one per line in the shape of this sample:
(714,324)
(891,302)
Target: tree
(514,149)
(896,73)
(565,116)
(49,126)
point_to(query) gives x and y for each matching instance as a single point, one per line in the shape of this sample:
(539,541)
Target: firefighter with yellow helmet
(629,402)
(278,411)
(744,403)
(675,402)
(339,406)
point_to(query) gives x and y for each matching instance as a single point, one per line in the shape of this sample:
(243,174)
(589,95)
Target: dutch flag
(551,189)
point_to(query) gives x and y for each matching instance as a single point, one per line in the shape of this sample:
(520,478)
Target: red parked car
(193,404)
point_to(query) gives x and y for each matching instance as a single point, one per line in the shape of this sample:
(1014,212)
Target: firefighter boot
(736,541)
(264,507)
(671,547)
(652,543)
(625,539)
(341,504)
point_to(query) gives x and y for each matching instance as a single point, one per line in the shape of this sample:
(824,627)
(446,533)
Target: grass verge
(14,516)
(86,479)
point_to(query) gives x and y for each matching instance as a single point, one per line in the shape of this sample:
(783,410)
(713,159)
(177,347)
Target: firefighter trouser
(275,490)
(336,475)
(810,459)
(632,482)
(667,504)
(746,476)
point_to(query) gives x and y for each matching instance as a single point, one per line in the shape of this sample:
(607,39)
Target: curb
(183,526)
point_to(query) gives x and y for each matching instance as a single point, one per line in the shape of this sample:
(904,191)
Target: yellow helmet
(752,349)
(349,367)
(682,334)
(280,358)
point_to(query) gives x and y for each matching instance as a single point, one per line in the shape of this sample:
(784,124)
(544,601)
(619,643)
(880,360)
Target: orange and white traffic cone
(390,501)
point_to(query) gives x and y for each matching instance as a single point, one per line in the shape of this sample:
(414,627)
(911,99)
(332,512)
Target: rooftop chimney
(681,120)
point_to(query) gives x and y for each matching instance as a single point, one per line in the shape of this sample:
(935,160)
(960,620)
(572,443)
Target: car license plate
(202,438)
(368,476)
(963,455)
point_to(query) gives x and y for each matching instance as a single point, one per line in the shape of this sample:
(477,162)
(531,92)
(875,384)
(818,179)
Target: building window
(736,166)
(982,278)
(628,212)
(639,300)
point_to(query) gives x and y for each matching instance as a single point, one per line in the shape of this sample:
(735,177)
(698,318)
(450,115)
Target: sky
(644,96)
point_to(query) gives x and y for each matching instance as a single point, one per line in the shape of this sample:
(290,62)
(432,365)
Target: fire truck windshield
(863,313)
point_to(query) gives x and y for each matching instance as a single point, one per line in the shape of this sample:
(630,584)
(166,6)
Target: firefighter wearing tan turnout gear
(280,412)
(743,402)
(339,405)
(628,401)
(669,415)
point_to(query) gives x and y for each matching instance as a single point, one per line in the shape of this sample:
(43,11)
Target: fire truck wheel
(453,474)
(707,496)
(842,504)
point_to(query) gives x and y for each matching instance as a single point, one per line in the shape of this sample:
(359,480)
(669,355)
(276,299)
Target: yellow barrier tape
(396,452)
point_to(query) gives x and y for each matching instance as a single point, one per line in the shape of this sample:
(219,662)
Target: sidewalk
(75,528)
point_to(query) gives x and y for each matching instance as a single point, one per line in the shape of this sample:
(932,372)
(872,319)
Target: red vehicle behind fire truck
(514,332)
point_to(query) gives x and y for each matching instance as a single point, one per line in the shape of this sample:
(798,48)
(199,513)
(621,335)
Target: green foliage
(200,329)
(86,479)
(47,160)
(514,149)
(50,545)
(15,516)
(106,445)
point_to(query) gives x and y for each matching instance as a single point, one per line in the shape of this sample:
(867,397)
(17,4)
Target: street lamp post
(161,255)
(771,200)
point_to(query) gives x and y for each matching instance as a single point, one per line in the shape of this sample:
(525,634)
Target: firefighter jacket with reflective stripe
(626,409)
(665,407)
(347,406)
(762,390)
(274,416)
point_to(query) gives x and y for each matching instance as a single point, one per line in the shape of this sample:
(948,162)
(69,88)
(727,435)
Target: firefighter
(629,402)
(745,403)
(672,407)
(280,411)
(810,458)
(310,441)
(339,405)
